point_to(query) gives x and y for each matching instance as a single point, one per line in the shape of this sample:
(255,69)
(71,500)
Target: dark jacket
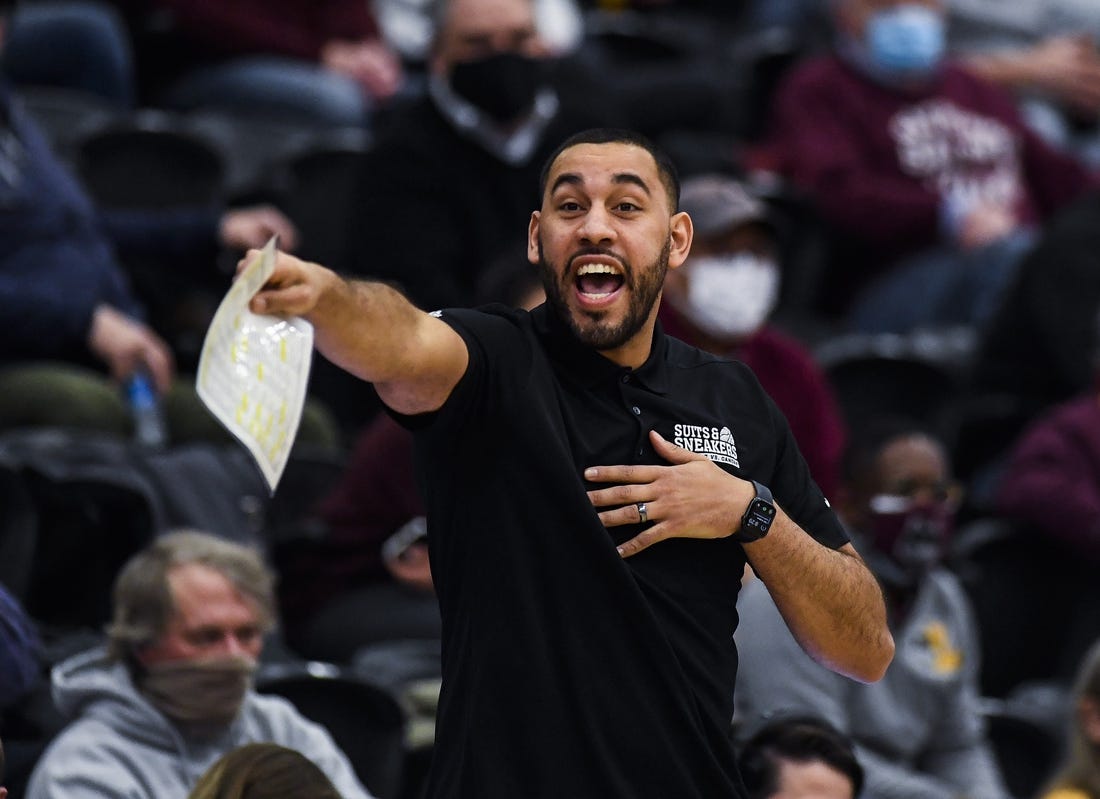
(58,256)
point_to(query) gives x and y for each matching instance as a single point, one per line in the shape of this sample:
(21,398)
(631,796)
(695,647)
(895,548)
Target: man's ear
(681,232)
(533,238)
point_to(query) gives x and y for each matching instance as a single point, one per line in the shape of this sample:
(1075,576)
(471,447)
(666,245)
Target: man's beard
(644,285)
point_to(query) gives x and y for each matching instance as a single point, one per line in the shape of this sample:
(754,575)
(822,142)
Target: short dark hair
(801,739)
(666,169)
(868,440)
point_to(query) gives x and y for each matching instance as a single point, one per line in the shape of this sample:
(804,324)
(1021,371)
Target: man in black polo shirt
(591,502)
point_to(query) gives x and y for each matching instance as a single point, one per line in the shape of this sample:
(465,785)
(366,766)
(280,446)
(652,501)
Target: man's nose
(231,644)
(926,495)
(596,227)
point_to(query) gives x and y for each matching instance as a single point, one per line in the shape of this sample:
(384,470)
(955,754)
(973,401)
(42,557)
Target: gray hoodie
(918,731)
(118,745)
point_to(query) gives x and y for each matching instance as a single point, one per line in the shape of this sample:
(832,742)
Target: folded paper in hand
(254,369)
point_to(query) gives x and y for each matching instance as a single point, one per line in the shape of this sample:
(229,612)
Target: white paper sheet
(254,369)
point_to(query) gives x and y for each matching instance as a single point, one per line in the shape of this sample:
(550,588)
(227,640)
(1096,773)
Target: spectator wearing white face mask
(721,298)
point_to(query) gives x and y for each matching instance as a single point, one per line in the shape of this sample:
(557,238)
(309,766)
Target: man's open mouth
(599,280)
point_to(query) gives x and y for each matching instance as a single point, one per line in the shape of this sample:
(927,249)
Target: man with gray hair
(171,692)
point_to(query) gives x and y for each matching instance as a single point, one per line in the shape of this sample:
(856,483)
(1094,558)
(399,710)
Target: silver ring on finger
(643,514)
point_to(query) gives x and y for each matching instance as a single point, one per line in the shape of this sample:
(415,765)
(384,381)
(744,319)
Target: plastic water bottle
(149,428)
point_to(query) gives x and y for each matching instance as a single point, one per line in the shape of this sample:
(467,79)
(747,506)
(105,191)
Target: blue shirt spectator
(20,650)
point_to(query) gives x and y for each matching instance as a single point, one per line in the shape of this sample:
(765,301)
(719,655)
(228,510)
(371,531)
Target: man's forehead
(598,162)
(194,584)
(484,17)
(876,5)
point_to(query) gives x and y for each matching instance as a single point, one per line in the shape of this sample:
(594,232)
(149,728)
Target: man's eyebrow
(477,38)
(202,629)
(630,177)
(567,179)
(573,179)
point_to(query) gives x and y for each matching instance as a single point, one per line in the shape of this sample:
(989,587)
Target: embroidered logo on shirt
(946,657)
(715,442)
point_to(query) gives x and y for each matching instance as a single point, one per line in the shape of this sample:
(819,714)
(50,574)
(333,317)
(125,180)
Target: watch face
(759,515)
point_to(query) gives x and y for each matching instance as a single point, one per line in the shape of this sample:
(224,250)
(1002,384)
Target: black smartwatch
(759,515)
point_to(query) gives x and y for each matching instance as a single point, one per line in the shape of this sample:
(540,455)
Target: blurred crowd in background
(897,226)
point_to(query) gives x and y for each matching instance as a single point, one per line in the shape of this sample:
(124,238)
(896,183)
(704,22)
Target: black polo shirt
(567,670)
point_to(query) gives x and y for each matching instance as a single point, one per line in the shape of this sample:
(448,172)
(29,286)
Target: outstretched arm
(413,359)
(829,599)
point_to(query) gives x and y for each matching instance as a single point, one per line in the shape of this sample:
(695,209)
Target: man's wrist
(757,519)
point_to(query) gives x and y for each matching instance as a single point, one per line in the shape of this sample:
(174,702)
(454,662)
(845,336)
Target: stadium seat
(366,722)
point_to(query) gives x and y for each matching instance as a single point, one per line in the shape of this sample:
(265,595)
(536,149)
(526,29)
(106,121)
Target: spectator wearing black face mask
(444,190)
(918,732)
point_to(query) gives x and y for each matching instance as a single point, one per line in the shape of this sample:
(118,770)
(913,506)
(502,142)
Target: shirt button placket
(636,410)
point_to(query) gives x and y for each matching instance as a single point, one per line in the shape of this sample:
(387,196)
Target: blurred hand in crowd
(126,345)
(984,224)
(250,228)
(411,568)
(1068,68)
(371,63)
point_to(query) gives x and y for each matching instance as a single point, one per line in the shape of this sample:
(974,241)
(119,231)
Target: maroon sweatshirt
(877,162)
(296,28)
(1052,478)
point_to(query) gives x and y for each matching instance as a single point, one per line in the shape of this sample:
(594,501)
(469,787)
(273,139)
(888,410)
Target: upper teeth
(597,269)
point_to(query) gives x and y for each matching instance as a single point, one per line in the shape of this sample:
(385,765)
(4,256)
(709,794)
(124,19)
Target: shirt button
(626,378)
(637,410)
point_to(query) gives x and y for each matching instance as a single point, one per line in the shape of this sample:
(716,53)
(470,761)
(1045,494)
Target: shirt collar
(592,368)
